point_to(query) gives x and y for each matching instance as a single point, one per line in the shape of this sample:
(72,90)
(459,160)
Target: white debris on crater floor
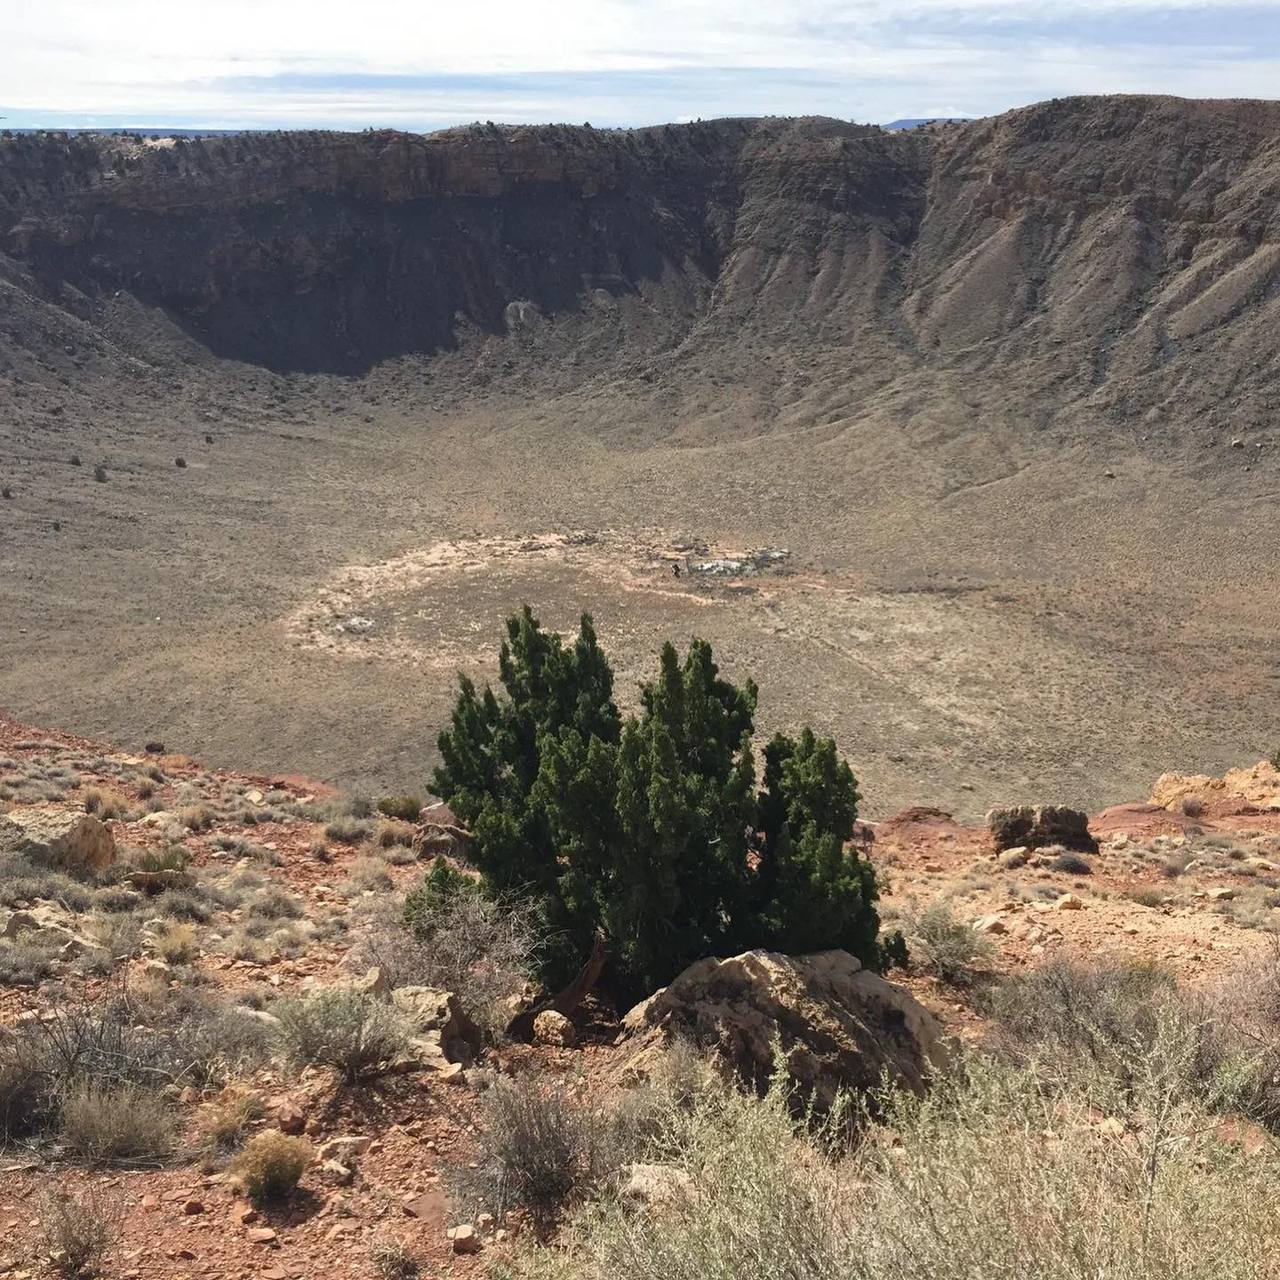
(742,566)
(355,625)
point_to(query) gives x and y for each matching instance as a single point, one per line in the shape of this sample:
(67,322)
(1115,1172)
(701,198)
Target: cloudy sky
(422,64)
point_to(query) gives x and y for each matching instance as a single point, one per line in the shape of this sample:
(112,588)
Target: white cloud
(172,59)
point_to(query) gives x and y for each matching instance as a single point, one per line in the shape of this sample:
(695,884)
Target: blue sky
(425,65)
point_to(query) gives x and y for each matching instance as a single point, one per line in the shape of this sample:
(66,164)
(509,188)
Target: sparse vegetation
(78,1227)
(540,1150)
(453,937)
(104,803)
(224,1121)
(1072,864)
(348,830)
(175,943)
(116,1125)
(354,1033)
(998,1169)
(394,1260)
(943,945)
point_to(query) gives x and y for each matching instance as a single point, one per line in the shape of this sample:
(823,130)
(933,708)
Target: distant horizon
(196,130)
(289,64)
(211,130)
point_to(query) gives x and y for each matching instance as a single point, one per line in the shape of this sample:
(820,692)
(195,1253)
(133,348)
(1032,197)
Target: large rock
(58,836)
(839,1026)
(1256,788)
(439,1029)
(48,923)
(1032,827)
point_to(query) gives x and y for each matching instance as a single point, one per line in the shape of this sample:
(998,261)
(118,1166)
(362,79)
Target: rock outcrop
(1238,790)
(441,1033)
(58,836)
(1034,826)
(838,1025)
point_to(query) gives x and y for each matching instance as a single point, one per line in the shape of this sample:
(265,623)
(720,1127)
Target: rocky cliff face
(1113,258)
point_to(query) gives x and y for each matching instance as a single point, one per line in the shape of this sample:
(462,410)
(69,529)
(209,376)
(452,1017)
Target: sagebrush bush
(944,945)
(538,1149)
(175,942)
(1072,864)
(26,1090)
(354,1033)
(120,1125)
(998,1171)
(21,880)
(271,1165)
(25,961)
(197,817)
(367,875)
(104,802)
(348,830)
(392,833)
(224,1121)
(78,1227)
(1108,1019)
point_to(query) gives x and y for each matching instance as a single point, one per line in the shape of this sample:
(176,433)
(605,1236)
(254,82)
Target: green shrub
(652,830)
(355,1033)
(406,808)
(271,1166)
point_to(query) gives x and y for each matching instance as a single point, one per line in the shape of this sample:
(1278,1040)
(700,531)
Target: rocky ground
(240,891)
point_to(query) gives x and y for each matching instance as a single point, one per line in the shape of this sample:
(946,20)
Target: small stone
(335,1171)
(349,1148)
(192,1207)
(290,1118)
(465,1239)
(990,924)
(1222,894)
(553,1028)
(261,1235)
(1069,902)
